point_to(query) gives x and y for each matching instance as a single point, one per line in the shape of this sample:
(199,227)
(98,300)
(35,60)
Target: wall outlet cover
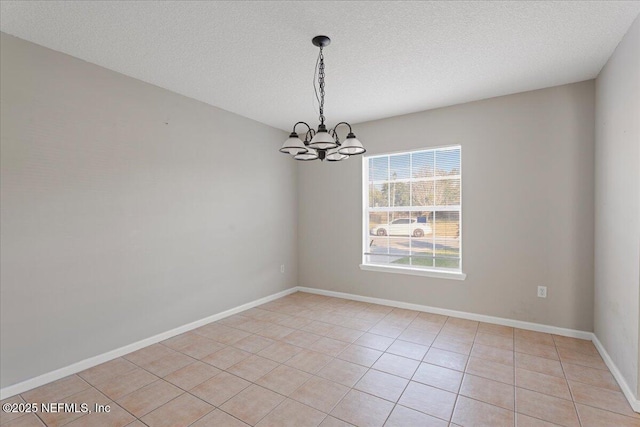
(542,291)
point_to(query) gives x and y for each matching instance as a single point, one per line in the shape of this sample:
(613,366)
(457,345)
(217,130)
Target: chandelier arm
(334,132)
(301,123)
(343,123)
(308,135)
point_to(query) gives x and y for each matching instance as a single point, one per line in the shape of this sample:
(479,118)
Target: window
(412,214)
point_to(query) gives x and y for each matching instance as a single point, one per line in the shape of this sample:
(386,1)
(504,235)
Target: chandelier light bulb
(323,140)
(293,145)
(334,155)
(351,146)
(310,154)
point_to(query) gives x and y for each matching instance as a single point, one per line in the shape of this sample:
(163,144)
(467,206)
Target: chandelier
(322,143)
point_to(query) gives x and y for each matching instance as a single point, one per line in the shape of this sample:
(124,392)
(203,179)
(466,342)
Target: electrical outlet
(282,268)
(542,291)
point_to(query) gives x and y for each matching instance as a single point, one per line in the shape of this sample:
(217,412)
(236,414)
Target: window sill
(440,274)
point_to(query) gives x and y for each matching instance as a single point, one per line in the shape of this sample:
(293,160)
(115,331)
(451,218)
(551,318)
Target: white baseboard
(461,314)
(14,389)
(80,366)
(633,401)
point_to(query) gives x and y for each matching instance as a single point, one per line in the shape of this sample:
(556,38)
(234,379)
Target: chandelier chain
(321,76)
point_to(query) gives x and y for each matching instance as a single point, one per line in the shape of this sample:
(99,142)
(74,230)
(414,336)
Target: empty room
(320,213)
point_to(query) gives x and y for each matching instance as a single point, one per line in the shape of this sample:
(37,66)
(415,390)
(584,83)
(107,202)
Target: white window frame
(455,274)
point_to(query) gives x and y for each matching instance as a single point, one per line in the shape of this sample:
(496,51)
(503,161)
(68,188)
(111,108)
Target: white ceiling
(386,58)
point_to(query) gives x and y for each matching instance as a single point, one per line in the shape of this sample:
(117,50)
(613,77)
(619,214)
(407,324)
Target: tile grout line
(371,368)
(464,373)
(200,360)
(175,385)
(327,414)
(397,338)
(395,404)
(352,388)
(279,364)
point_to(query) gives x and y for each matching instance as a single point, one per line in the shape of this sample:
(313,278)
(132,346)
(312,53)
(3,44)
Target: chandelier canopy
(322,143)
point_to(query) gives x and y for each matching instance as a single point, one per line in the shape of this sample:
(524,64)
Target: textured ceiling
(386,58)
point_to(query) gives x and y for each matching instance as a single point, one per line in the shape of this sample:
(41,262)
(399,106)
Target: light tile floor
(310,360)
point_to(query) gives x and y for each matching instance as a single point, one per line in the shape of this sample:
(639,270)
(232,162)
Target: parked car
(402,227)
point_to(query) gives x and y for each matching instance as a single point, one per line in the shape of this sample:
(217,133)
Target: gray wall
(617,220)
(127,210)
(527,208)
